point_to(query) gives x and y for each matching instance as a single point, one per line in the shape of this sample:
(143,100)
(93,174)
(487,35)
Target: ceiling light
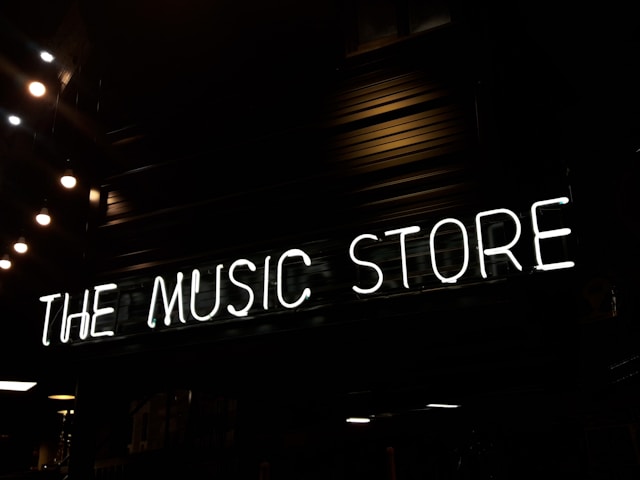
(5,262)
(37,89)
(46,56)
(21,245)
(358,420)
(94,196)
(62,396)
(16,386)
(68,180)
(442,405)
(14,120)
(43,218)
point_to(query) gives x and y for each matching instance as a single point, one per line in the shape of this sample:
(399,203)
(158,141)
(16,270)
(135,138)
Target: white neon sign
(88,321)
(543,235)
(483,252)
(502,250)
(403,232)
(265,284)
(48,301)
(67,319)
(176,298)
(432,247)
(188,301)
(306,293)
(169,305)
(101,312)
(195,289)
(252,266)
(365,263)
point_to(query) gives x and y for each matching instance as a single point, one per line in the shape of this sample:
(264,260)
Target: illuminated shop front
(365,260)
(185,302)
(259,354)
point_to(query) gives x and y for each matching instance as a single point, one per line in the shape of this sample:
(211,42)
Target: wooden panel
(390,147)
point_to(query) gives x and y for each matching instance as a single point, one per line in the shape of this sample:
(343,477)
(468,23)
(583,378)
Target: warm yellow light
(43,218)
(94,196)
(37,89)
(68,180)
(61,396)
(5,263)
(21,245)
(358,420)
(16,386)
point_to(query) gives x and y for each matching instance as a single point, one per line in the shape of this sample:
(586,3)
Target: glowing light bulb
(68,180)
(62,396)
(14,120)
(21,245)
(5,263)
(43,217)
(46,56)
(37,89)
(442,405)
(358,420)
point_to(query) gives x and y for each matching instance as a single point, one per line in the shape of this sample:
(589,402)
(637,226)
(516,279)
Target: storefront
(375,270)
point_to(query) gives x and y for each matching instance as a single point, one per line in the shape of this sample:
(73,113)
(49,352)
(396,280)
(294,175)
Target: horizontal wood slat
(431,120)
(388,148)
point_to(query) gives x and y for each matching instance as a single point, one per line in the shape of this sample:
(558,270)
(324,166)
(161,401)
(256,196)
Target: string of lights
(35,163)
(37,89)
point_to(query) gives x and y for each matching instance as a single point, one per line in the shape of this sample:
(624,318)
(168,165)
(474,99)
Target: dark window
(374,23)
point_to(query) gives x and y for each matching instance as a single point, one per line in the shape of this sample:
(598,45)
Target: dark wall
(297,144)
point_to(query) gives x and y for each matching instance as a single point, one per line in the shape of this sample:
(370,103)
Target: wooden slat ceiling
(388,148)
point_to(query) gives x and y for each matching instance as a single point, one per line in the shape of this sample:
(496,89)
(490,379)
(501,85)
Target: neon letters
(483,252)
(87,321)
(237,285)
(177,298)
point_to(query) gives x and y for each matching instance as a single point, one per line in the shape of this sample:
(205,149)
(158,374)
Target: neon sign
(160,288)
(189,301)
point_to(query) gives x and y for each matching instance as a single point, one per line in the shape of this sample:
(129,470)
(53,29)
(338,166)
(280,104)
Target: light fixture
(16,386)
(358,420)
(62,396)
(14,120)
(68,180)
(46,56)
(443,405)
(43,218)
(37,89)
(5,262)
(21,245)
(94,196)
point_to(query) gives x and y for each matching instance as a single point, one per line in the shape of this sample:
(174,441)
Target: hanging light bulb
(43,218)
(62,396)
(46,56)
(68,180)
(21,245)
(5,262)
(37,89)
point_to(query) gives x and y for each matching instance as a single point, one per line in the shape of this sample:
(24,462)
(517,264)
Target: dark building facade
(404,213)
